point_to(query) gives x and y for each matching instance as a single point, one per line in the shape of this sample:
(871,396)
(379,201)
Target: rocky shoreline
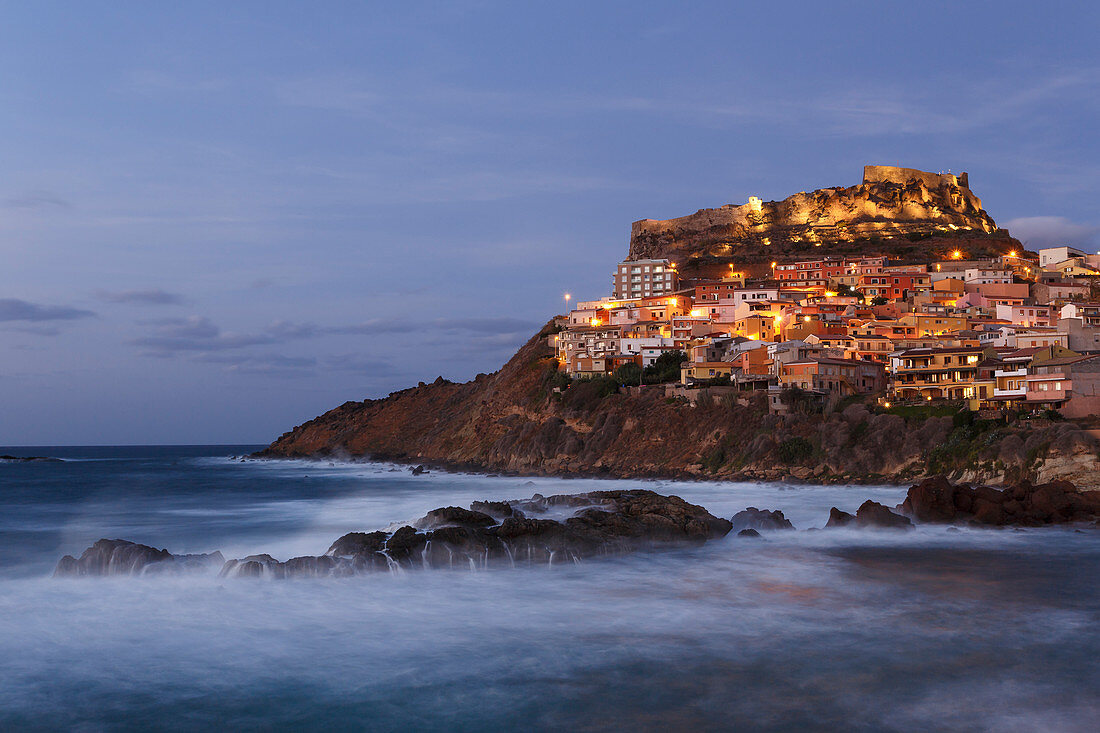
(569,528)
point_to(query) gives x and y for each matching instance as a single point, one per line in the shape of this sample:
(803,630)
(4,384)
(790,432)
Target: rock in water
(748,533)
(837,518)
(935,499)
(453,516)
(753,518)
(121,557)
(874,515)
(572,527)
(584,525)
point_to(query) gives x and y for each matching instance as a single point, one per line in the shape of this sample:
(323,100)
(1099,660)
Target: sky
(218,220)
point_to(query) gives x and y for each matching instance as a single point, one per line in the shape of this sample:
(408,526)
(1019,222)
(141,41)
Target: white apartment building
(644,278)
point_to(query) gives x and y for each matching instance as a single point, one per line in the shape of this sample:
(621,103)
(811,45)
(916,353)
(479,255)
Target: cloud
(360,364)
(200,335)
(20,310)
(492,326)
(153,296)
(194,334)
(288,330)
(340,93)
(36,330)
(263,364)
(36,200)
(1051,231)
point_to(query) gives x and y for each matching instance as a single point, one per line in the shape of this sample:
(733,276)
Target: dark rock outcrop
(838,518)
(121,557)
(583,525)
(753,518)
(29,459)
(871,514)
(750,533)
(453,516)
(937,500)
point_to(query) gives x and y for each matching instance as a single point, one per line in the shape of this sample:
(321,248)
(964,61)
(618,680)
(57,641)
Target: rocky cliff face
(513,421)
(890,203)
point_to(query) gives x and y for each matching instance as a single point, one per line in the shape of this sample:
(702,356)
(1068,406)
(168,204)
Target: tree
(666,368)
(629,374)
(879,300)
(848,291)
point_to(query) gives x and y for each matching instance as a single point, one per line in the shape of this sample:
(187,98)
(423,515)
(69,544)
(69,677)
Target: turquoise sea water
(832,630)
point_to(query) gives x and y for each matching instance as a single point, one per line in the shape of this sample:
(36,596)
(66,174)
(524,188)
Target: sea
(826,630)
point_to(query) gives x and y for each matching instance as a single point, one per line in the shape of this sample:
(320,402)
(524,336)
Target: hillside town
(1019,331)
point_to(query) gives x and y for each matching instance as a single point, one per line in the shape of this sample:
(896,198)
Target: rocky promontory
(516,421)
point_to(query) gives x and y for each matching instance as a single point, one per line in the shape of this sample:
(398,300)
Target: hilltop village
(1018,331)
(876,332)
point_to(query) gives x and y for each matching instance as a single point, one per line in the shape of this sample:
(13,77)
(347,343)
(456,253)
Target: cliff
(513,421)
(899,205)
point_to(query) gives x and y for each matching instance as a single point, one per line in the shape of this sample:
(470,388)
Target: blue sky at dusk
(218,220)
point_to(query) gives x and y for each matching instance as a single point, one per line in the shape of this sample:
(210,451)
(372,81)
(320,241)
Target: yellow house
(944,373)
(931,324)
(702,370)
(757,326)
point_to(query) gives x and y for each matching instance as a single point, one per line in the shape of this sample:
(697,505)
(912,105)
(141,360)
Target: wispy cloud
(360,364)
(153,296)
(475,325)
(277,365)
(1052,231)
(12,309)
(36,200)
(195,334)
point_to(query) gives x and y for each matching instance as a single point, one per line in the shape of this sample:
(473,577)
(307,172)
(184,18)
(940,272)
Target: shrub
(794,450)
(586,394)
(665,369)
(714,459)
(628,374)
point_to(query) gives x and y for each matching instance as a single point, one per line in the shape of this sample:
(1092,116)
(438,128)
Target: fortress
(891,202)
(901,176)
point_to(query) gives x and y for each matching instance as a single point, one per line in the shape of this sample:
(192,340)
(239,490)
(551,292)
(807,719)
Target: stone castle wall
(894,174)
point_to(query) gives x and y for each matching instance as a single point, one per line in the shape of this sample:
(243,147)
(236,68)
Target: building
(644,278)
(893,285)
(1082,338)
(1052,255)
(846,376)
(692,371)
(1026,315)
(589,348)
(942,373)
(1058,291)
(987,276)
(645,350)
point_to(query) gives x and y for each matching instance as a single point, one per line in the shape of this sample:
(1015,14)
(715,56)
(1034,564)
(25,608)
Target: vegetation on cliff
(526,419)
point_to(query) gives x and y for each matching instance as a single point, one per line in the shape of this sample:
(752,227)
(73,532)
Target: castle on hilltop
(890,202)
(901,176)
